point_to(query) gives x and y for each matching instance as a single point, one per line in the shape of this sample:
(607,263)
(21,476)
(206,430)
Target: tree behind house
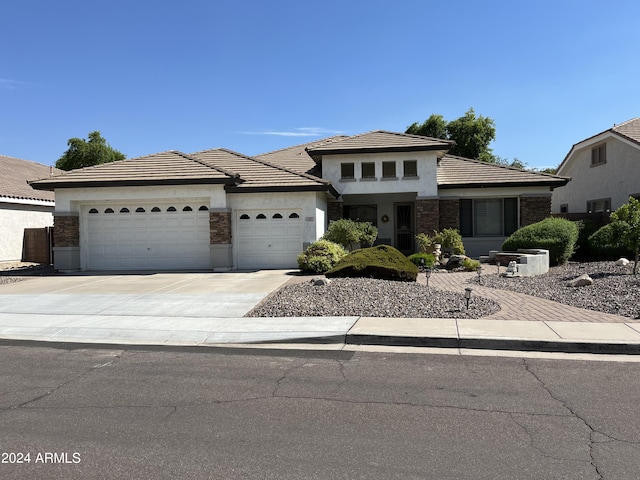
(625,225)
(86,153)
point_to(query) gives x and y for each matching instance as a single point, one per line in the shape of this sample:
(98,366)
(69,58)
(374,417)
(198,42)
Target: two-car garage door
(163,236)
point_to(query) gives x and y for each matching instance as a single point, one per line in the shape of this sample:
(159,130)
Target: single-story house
(218,209)
(21,206)
(604,171)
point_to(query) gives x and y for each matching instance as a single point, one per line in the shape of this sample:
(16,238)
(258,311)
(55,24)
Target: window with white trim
(488,217)
(599,155)
(599,205)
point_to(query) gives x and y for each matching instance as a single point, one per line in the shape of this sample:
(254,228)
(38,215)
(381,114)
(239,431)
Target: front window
(368,170)
(362,213)
(488,217)
(410,168)
(389,169)
(346,170)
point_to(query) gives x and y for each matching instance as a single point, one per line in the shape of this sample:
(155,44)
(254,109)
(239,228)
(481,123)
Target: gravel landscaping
(11,272)
(369,297)
(615,289)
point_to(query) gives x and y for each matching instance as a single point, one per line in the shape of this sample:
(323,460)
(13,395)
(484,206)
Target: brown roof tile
(15,175)
(458,172)
(165,168)
(258,174)
(629,129)
(297,158)
(381,141)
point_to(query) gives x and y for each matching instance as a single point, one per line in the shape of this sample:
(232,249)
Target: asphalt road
(99,413)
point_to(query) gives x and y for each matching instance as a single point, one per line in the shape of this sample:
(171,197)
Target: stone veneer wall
(449,214)
(334,211)
(427,215)
(66,230)
(534,209)
(219,227)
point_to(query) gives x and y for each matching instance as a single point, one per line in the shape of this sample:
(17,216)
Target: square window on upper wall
(368,170)
(410,168)
(346,171)
(388,169)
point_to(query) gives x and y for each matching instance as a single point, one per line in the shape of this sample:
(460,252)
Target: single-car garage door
(162,236)
(268,238)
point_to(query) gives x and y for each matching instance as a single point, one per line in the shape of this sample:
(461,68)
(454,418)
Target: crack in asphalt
(574,413)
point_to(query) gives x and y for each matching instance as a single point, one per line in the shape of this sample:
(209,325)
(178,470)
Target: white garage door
(268,238)
(147,237)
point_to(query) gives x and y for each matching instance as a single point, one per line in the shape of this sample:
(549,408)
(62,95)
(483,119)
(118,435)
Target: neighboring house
(21,206)
(223,210)
(604,172)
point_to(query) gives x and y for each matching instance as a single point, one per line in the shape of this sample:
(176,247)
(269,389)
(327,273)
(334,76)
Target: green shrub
(320,256)
(348,232)
(586,228)
(449,239)
(470,265)
(604,245)
(558,235)
(429,259)
(383,262)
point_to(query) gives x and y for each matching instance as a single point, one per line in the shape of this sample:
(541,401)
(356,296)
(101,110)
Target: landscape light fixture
(427,274)
(467,295)
(479,272)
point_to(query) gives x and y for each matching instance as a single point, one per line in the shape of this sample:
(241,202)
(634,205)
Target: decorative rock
(319,281)
(455,261)
(581,281)
(622,262)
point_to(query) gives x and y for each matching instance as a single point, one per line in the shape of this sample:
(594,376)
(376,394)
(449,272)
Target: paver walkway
(518,306)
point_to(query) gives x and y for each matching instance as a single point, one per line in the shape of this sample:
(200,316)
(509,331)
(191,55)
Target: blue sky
(254,76)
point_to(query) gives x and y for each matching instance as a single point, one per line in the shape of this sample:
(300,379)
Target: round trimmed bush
(429,259)
(382,262)
(558,235)
(320,256)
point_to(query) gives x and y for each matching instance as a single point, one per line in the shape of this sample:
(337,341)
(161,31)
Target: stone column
(534,208)
(449,213)
(427,215)
(220,239)
(66,241)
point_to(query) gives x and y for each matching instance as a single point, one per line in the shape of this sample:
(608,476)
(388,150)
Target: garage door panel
(146,239)
(271,242)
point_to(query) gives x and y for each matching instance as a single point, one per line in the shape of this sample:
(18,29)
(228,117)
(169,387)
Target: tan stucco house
(21,206)
(603,169)
(218,209)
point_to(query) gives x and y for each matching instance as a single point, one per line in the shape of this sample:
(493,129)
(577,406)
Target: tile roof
(297,158)
(165,168)
(458,172)
(629,129)
(381,141)
(15,175)
(259,175)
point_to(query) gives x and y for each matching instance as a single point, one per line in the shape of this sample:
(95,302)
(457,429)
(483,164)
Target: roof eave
(282,189)
(551,184)
(51,186)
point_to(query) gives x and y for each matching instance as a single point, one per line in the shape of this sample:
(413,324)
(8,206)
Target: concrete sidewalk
(201,309)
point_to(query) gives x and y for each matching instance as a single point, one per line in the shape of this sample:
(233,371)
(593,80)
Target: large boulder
(383,262)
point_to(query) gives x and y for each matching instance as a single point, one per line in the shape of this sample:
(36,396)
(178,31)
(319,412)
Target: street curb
(496,344)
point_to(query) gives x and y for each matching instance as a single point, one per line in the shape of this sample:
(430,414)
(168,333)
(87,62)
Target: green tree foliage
(449,239)
(625,225)
(85,153)
(348,232)
(472,134)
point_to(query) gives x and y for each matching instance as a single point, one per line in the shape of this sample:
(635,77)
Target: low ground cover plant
(382,262)
(320,256)
(558,235)
(422,259)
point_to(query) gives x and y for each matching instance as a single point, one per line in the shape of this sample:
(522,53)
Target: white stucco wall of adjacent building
(617,179)
(14,218)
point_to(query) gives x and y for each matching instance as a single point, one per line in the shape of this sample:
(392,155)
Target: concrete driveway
(154,309)
(223,295)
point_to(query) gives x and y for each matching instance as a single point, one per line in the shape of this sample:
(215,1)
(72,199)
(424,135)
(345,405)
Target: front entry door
(404,228)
